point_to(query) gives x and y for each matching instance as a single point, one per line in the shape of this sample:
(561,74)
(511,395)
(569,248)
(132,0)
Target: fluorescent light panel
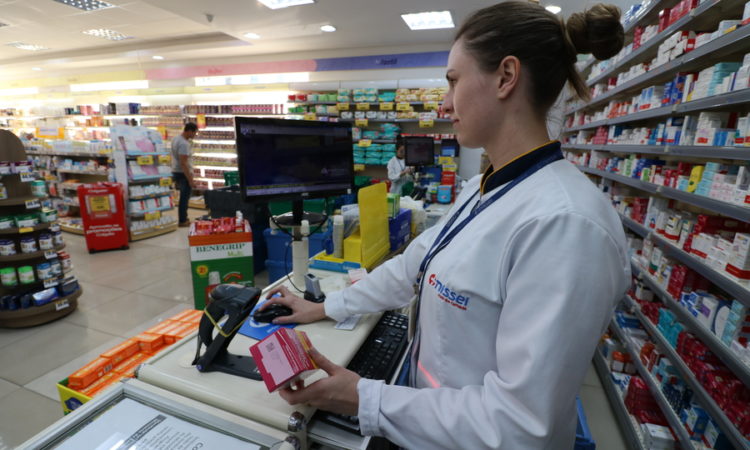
(104,33)
(109,86)
(328,28)
(157,57)
(19,91)
(278,4)
(24,46)
(554,9)
(431,20)
(86,5)
(263,78)
(252,35)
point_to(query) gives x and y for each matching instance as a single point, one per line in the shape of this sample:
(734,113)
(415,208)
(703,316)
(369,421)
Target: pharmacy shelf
(721,47)
(72,229)
(15,230)
(146,197)
(724,353)
(654,113)
(137,154)
(626,421)
(83,154)
(83,172)
(29,256)
(586,126)
(148,211)
(38,315)
(147,178)
(716,101)
(152,232)
(633,182)
(648,49)
(704,399)
(693,151)
(15,201)
(397,120)
(677,427)
(636,227)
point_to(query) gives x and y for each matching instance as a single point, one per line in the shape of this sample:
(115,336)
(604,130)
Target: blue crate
(277,269)
(400,224)
(584,440)
(277,243)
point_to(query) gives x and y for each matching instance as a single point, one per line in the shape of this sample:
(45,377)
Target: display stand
(21,201)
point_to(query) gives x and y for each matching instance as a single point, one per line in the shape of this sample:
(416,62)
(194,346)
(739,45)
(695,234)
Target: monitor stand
(294,218)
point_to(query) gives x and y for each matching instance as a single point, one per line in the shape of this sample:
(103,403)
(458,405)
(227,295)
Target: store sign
(386,106)
(165,181)
(361,122)
(426,123)
(342,106)
(363,106)
(145,160)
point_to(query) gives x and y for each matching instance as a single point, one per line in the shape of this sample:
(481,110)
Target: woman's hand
(303,311)
(336,393)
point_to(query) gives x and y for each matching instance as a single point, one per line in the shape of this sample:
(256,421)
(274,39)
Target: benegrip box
(283,358)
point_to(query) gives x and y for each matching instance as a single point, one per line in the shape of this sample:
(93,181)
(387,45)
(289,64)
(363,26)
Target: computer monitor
(293,159)
(420,151)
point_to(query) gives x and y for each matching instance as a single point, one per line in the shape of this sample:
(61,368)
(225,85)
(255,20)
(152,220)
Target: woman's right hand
(303,311)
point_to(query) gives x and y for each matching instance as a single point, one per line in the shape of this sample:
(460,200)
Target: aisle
(601,419)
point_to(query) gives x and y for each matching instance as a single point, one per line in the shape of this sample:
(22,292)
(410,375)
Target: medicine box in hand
(283,358)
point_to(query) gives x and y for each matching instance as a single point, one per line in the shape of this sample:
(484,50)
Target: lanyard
(447,234)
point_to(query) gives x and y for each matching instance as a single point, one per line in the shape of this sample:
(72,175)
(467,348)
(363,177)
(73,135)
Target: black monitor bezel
(408,161)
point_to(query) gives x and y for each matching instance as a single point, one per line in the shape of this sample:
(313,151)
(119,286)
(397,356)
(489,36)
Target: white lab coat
(395,167)
(542,268)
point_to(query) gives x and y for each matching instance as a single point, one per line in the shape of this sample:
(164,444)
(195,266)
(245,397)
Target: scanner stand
(236,302)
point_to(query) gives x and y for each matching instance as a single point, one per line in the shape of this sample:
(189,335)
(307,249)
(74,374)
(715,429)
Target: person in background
(398,173)
(517,282)
(182,169)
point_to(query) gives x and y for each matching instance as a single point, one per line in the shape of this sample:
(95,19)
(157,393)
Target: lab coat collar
(495,178)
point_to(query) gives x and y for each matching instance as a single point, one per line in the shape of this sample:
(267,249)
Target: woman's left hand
(336,393)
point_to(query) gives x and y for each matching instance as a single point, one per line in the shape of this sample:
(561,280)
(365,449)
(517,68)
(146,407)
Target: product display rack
(674,422)
(19,198)
(628,425)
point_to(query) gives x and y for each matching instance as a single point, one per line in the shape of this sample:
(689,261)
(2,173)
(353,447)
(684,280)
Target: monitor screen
(420,151)
(280,158)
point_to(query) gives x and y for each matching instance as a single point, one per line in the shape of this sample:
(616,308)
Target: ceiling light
(112,35)
(86,5)
(252,36)
(157,57)
(19,91)
(263,78)
(428,20)
(328,28)
(553,9)
(29,47)
(278,4)
(36,69)
(109,86)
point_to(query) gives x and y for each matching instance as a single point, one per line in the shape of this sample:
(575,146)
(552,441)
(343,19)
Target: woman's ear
(507,75)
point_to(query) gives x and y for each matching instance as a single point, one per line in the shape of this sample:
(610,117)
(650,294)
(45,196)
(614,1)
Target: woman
(512,304)
(398,173)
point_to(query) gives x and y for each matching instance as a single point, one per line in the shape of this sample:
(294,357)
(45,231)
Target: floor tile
(11,335)
(23,414)
(117,317)
(6,387)
(136,278)
(173,311)
(601,419)
(592,379)
(96,295)
(51,346)
(176,286)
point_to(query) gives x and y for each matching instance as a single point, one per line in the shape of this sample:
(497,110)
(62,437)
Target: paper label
(165,159)
(426,123)
(145,160)
(386,106)
(363,106)
(98,203)
(33,204)
(348,324)
(403,106)
(200,120)
(62,304)
(104,151)
(156,215)
(359,167)
(50,254)
(365,142)
(431,105)
(52,282)
(26,177)
(25,230)
(361,122)
(342,106)
(310,116)
(165,181)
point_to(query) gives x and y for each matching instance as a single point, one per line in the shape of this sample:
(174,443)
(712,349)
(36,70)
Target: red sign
(103,214)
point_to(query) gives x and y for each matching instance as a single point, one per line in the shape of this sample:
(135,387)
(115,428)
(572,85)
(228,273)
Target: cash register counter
(247,401)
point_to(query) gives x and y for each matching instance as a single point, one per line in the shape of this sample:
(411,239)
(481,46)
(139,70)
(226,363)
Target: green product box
(217,259)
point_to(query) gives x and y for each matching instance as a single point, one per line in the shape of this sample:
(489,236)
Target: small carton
(100,384)
(283,357)
(89,373)
(189,315)
(161,326)
(122,351)
(178,332)
(127,367)
(150,343)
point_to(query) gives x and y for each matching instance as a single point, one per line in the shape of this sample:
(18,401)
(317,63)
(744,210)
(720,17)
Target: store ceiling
(181,32)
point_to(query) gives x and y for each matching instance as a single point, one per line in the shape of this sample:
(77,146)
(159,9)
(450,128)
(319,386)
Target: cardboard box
(150,343)
(283,357)
(100,384)
(188,316)
(127,368)
(89,373)
(121,352)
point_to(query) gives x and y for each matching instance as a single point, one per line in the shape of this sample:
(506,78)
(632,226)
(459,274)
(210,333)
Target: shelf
(197,205)
(705,400)
(153,232)
(82,172)
(148,178)
(19,200)
(731,287)
(715,101)
(397,120)
(586,126)
(137,154)
(677,427)
(148,211)
(633,182)
(637,228)
(706,336)
(693,151)
(146,197)
(83,154)
(42,226)
(38,315)
(653,113)
(628,425)
(29,256)
(72,229)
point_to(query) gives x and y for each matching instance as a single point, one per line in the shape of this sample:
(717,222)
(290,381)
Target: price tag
(25,230)
(156,215)
(50,282)
(403,106)
(165,181)
(310,116)
(26,177)
(33,204)
(363,106)
(145,160)
(200,120)
(162,130)
(104,151)
(61,304)
(431,105)
(359,167)
(165,159)
(365,142)
(386,106)
(426,123)
(50,254)
(361,122)
(342,106)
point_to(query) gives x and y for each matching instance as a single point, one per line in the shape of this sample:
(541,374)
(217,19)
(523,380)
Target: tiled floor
(126,292)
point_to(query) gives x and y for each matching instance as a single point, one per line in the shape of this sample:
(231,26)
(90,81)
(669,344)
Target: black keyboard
(377,359)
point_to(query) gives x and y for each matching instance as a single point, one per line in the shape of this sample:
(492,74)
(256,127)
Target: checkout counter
(171,400)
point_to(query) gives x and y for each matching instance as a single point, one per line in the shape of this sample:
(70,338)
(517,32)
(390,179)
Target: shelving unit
(20,201)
